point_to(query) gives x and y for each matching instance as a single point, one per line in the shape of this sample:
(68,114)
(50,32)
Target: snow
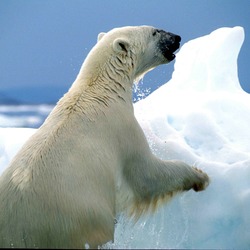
(201,116)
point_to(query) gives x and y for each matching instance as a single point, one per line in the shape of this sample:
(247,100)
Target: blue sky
(44,42)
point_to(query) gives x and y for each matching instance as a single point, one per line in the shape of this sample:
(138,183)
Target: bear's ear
(121,45)
(100,36)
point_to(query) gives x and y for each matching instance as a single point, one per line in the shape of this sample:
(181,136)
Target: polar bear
(90,159)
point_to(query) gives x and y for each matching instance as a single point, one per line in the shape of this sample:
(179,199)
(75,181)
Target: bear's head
(138,49)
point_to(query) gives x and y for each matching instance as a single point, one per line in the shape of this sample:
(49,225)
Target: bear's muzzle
(168,44)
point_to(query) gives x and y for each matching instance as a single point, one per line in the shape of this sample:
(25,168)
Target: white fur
(90,158)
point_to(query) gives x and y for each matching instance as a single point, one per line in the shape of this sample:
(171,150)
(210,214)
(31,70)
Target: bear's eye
(154,33)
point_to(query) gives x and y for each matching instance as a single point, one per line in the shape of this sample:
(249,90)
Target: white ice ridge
(201,116)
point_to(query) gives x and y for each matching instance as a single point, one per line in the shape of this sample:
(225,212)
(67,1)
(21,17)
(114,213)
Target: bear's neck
(108,80)
(98,91)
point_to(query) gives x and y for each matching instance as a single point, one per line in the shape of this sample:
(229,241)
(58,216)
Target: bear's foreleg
(154,180)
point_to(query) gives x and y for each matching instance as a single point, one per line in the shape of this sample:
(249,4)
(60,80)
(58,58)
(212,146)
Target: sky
(44,43)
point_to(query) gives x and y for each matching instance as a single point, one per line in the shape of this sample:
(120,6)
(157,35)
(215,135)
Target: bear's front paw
(202,181)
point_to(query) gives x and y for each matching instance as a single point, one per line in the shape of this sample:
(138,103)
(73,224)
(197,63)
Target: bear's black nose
(177,38)
(173,38)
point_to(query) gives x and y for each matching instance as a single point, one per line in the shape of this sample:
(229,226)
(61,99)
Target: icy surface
(31,116)
(201,116)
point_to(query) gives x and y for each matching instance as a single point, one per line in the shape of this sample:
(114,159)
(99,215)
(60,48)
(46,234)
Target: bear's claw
(203,180)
